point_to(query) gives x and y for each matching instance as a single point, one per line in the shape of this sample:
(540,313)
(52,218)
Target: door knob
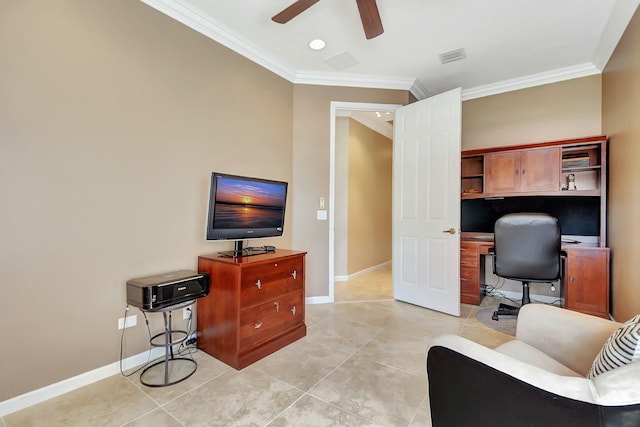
(450,231)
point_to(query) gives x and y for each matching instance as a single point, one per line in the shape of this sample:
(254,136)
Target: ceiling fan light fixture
(317,44)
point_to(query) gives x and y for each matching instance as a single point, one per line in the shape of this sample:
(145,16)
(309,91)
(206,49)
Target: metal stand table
(170,370)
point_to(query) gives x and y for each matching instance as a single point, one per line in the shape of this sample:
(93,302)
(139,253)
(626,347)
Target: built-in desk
(584,283)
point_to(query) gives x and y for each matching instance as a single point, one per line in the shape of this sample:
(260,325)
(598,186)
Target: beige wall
(112,117)
(621,122)
(564,110)
(369,229)
(311,164)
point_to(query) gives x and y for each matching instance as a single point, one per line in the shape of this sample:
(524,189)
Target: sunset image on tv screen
(249,204)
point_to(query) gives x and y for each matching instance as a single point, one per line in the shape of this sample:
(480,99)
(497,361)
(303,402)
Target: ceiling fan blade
(292,11)
(370,17)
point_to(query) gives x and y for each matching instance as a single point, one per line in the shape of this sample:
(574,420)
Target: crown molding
(614,29)
(353,80)
(532,80)
(418,90)
(215,30)
(195,19)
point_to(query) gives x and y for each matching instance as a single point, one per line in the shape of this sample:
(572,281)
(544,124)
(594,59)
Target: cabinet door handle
(571,279)
(294,275)
(258,325)
(259,284)
(293,310)
(517,171)
(523,171)
(277,304)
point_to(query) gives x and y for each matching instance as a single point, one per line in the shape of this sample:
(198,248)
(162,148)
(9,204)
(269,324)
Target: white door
(426,203)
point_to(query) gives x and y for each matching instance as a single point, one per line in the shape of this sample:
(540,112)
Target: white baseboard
(40,395)
(318,300)
(361,272)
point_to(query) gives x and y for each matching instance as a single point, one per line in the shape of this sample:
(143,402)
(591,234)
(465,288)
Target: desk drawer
(469,255)
(469,281)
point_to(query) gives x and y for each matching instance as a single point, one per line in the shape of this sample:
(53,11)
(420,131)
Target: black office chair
(526,248)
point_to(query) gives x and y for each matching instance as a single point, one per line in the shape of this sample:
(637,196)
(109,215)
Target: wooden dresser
(255,306)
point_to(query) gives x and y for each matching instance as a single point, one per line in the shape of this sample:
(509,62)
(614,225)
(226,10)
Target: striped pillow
(621,348)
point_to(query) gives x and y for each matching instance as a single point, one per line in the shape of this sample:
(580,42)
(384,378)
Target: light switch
(322,215)
(321,202)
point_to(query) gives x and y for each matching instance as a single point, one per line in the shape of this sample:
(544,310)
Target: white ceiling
(509,44)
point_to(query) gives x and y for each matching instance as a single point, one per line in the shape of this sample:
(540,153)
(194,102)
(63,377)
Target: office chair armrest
(573,339)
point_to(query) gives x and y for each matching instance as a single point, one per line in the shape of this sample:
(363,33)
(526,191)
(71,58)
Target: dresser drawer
(262,322)
(265,281)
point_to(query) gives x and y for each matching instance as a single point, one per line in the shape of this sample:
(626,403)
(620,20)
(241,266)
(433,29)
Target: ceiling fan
(369,15)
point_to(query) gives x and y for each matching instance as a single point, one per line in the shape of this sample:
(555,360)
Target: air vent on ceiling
(452,56)
(342,61)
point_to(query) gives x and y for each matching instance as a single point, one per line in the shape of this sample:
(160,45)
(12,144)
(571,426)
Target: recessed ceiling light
(317,44)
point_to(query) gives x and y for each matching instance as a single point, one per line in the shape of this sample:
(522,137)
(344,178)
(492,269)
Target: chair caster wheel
(495,316)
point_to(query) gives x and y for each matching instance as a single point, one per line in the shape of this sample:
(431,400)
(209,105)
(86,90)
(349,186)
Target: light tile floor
(362,363)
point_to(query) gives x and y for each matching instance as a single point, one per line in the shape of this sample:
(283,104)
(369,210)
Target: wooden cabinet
(557,176)
(583,164)
(586,281)
(572,168)
(471,272)
(472,174)
(519,171)
(255,306)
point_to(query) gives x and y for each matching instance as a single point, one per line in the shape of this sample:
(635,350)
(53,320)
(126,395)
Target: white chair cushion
(531,355)
(621,348)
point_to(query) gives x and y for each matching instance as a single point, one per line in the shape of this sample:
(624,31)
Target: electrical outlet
(130,321)
(186,312)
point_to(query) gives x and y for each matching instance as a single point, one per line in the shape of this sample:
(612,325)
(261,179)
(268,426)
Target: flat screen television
(242,207)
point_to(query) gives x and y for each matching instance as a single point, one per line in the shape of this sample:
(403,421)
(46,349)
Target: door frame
(337,106)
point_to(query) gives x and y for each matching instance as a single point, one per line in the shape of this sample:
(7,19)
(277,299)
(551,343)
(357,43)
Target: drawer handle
(463,279)
(258,325)
(571,279)
(463,249)
(293,310)
(259,284)
(277,304)
(294,275)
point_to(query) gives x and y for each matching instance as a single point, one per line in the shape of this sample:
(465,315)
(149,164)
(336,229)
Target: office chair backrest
(527,247)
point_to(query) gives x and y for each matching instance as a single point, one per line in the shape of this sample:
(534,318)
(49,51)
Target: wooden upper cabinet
(502,172)
(540,169)
(523,171)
